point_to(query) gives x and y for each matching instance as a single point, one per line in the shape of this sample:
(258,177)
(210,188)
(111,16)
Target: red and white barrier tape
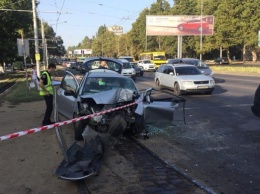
(43,128)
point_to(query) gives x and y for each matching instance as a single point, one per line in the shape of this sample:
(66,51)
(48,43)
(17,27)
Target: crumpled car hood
(111,96)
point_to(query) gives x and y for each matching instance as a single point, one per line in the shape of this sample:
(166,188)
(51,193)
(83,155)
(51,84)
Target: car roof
(103,73)
(124,60)
(180,64)
(102,58)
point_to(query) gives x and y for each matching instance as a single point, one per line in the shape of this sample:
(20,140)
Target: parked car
(94,62)
(147,65)
(112,102)
(18,65)
(139,70)
(221,60)
(73,65)
(183,78)
(192,61)
(127,69)
(194,24)
(78,65)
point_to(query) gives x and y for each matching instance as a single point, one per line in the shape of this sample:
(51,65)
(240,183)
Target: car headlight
(212,81)
(187,82)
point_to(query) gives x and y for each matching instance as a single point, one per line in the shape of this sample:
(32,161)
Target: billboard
(82,52)
(117,30)
(184,25)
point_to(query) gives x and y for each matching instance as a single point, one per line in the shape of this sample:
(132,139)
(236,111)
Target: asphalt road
(219,144)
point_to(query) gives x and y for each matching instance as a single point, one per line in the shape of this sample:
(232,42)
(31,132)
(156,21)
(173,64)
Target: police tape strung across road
(43,128)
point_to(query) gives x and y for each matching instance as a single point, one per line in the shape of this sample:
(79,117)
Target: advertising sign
(82,52)
(117,30)
(185,25)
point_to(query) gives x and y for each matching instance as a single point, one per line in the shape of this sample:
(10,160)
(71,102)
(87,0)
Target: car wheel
(79,127)
(138,126)
(180,27)
(158,85)
(177,90)
(142,73)
(117,126)
(209,92)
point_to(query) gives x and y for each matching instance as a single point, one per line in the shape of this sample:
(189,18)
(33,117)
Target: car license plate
(202,87)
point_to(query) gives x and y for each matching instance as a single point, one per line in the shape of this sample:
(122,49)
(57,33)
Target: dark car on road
(221,60)
(138,70)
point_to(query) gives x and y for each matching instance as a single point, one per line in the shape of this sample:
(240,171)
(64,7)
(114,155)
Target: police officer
(46,90)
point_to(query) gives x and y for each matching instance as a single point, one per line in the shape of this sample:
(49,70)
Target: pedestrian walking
(34,78)
(46,90)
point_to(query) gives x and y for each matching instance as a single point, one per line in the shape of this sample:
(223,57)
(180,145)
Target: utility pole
(43,45)
(37,54)
(201,28)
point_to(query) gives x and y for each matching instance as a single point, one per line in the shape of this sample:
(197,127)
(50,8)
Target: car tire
(209,92)
(158,84)
(177,90)
(138,126)
(79,127)
(141,74)
(117,126)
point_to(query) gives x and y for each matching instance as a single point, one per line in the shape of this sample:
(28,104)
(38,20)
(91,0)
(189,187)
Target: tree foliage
(12,28)
(236,25)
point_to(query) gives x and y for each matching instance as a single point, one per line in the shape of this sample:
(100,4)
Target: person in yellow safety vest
(46,90)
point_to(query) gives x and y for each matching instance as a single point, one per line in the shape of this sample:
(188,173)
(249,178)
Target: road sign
(23,47)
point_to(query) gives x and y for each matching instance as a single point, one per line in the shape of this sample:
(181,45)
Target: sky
(75,19)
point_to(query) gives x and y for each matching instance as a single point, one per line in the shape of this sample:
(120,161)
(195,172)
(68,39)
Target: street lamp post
(201,28)
(36,38)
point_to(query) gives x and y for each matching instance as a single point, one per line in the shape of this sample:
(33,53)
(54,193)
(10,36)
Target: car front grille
(201,82)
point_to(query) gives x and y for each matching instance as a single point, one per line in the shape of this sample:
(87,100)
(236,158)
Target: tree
(10,25)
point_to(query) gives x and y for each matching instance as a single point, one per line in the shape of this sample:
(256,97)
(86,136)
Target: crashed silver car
(112,100)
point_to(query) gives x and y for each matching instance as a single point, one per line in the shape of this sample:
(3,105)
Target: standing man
(103,65)
(34,77)
(46,90)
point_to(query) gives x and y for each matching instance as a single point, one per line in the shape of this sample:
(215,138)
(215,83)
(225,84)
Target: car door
(168,76)
(67,95)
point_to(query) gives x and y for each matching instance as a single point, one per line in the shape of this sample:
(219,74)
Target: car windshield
(134,65)
(101,84)
(187,71)
(147,61)
(127,66)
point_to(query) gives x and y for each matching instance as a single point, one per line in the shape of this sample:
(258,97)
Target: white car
(183,78)
(127,69)
(147,65)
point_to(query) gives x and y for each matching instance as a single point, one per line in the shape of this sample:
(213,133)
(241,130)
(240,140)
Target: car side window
(69,83)
(175,61)
(167,70)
